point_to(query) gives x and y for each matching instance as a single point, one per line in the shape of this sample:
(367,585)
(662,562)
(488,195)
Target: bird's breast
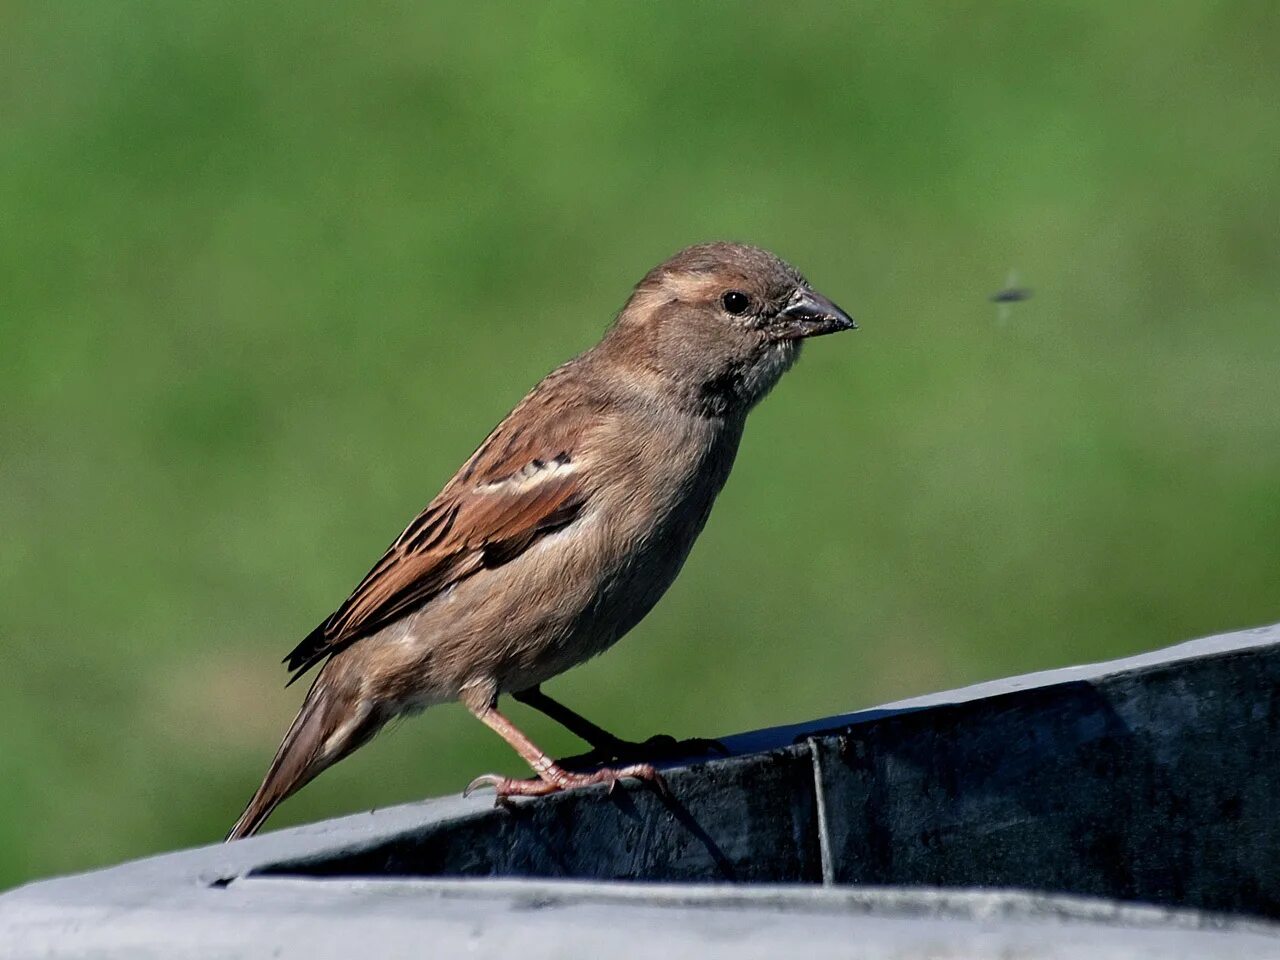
(647,519)
(579,589)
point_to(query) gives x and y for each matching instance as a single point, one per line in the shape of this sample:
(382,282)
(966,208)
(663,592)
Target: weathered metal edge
(198,886)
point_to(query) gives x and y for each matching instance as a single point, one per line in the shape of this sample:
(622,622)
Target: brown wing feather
(495,508)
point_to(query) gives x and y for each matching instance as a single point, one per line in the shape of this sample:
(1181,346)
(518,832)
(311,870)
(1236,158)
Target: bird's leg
(551,776)
(601,740)
(605,747)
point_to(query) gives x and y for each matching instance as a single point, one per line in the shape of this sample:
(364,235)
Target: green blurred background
(269,272)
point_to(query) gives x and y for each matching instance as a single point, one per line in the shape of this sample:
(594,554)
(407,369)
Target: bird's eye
(735,302)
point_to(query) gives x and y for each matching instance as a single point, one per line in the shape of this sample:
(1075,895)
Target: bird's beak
(810,314)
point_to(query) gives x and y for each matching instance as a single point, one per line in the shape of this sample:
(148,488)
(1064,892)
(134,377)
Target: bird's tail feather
(308,747)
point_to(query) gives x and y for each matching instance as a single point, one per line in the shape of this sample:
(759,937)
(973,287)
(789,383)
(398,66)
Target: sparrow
(563,529)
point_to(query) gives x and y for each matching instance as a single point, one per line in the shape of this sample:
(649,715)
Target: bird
(563,529)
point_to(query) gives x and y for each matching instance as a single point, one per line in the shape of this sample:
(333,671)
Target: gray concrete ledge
(1114,810)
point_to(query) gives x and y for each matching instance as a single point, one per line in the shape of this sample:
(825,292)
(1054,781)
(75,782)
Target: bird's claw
(501,800)
(484,780)
(660,748)
(558,780)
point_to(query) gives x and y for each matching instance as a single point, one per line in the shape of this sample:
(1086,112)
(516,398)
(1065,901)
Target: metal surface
(893,832)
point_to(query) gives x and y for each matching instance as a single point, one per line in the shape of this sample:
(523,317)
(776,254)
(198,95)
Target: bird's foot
(660,748)
(555,779)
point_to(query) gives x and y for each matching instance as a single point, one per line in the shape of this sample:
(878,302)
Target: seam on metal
(820,803)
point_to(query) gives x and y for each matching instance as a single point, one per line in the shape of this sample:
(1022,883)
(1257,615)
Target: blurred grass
(267,274)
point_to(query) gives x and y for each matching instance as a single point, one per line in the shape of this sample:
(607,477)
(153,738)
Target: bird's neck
(642,381)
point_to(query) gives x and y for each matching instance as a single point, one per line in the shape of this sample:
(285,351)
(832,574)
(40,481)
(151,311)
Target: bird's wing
(523,483)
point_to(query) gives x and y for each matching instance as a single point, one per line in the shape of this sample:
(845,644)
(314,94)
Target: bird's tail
(326,729)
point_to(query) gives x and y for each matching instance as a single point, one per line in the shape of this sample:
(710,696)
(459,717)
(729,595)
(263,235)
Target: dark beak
(810,314)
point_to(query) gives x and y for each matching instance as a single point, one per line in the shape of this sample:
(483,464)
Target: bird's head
(723,321)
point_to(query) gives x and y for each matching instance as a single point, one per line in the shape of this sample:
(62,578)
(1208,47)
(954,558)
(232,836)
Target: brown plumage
(565,527)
